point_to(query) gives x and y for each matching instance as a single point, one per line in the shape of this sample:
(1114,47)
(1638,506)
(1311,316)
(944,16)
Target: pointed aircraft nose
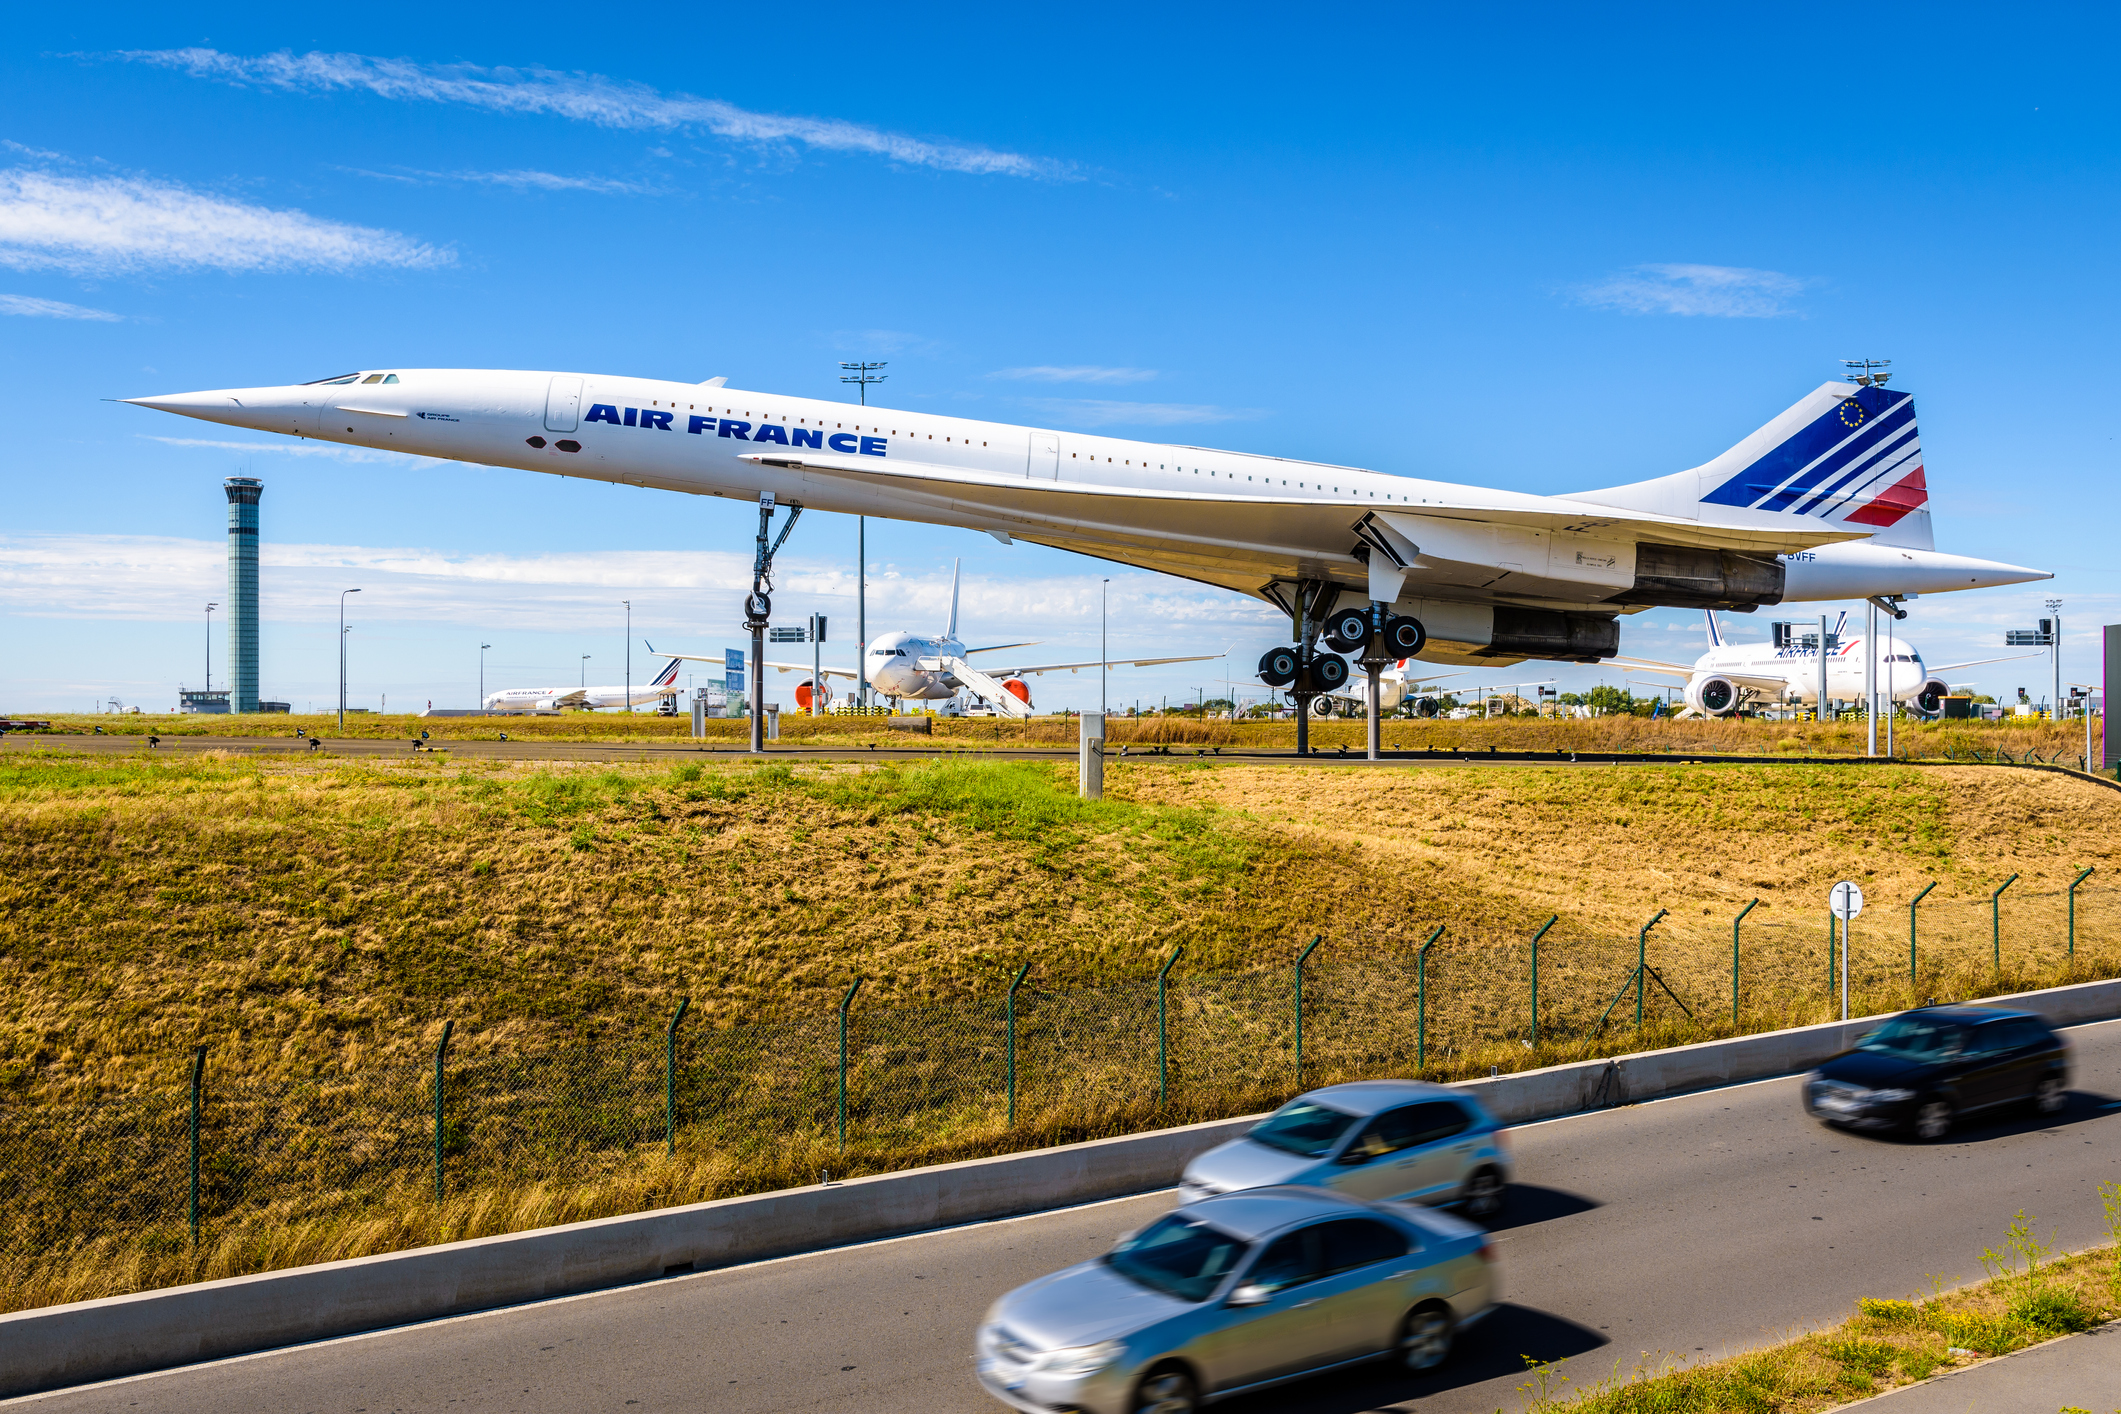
(293,409)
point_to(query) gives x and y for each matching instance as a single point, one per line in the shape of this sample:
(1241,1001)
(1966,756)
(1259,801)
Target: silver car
(1234,1294)
(1404,1140)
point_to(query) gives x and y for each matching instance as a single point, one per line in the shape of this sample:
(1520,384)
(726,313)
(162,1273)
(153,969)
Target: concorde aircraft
(1826,501)
(552,699)
(915,667)
(1786,669)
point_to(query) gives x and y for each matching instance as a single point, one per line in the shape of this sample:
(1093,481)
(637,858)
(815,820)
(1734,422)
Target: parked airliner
(1786,669)
(912,667)
(551,699)
(1826,501)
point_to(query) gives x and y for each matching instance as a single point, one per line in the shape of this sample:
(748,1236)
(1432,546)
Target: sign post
(1845,901)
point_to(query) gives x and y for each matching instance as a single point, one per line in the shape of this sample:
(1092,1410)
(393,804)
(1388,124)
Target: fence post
(1421,1001)
(1734,956)
(448,1025)
(1302,958)
(1021,974)
(1535,976)
(670,1080)
(1995,924)
(1163,1053)
(1911,982)
(845,1002)
(1642,962)
(198,1077)
(2088,871)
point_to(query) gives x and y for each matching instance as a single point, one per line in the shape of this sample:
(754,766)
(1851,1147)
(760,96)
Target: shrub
(2053,1311)
(1881,1309)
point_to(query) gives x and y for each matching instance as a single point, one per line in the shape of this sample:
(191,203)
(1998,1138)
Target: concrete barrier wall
(56,1346)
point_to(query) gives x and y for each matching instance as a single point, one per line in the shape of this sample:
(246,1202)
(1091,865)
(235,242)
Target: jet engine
(1930,701)
(1712,696)
(805,691)
(1018,689)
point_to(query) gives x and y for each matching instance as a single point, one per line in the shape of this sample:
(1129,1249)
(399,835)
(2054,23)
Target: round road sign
(1845,900)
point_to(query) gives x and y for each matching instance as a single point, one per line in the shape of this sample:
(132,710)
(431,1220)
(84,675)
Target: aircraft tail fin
(1715,633)
(669,675)
(1849,457)
(1840,625)
(956,566)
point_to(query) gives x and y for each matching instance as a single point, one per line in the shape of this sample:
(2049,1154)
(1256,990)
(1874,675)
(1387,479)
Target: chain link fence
(679,1113)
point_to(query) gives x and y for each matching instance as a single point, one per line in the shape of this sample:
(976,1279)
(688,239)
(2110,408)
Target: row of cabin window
(800,422)
(1232,476)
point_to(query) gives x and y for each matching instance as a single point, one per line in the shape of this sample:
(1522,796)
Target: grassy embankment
(310,918)
(2031,1295)
(1918,741)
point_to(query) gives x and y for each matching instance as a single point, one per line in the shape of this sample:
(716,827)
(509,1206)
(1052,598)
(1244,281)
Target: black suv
(1924,1068)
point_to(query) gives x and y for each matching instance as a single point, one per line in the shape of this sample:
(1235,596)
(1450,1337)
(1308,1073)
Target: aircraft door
(563,405)
(1045,456)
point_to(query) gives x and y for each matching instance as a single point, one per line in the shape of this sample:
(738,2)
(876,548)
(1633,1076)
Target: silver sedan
(1237,1293)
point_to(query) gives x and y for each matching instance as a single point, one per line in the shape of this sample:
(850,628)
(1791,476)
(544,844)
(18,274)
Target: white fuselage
(1900,673)
(1253,524)
(529,699)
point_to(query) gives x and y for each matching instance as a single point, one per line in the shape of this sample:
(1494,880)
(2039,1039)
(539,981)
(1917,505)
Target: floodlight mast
(1868,372)
(864,374)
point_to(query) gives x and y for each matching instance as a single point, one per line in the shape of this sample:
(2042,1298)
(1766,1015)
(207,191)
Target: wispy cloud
(37,152)
(85,225)
(54,309)
(1100,412)
(1721,291)
(290,449)
(589,98)
(1075,373)
(523,180)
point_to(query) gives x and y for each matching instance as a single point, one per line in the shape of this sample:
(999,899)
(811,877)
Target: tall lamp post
(629,655)
(482,675)
(210,646)
(861,375)
(585,672)
(1104,593)
(342,657)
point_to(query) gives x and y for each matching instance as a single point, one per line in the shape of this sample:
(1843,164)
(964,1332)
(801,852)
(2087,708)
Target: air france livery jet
(552,699)
(1827,501)
(912,667)
(1786,669)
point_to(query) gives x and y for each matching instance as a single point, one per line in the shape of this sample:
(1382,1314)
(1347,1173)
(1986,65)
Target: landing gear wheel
(1933,1120)
(1321,707)
(1404,637)
(758,606)
(1425,1338)
(1482,1196)
(2048,1096)
(1329,673)
(1167,1391)
(1347,630)
(1278,667)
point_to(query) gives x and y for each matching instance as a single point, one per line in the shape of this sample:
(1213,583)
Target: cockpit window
(390,378)
(335,378)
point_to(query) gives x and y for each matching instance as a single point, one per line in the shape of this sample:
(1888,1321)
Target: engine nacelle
(1018,689)
(806,692)
(1930,700)
(1712,696)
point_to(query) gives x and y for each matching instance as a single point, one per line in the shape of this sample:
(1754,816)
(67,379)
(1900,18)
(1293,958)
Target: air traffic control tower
(243,493)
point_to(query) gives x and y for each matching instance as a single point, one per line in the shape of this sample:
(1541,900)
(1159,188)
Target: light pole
(1104,593)
(482,675)
(629,655)
(2054,658)
(342,657)
(863,374)
(210,646)
(585,672)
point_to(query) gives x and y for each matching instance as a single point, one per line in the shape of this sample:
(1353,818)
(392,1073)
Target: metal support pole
(670,1079)
(441,1046)
(1302,958)
(1163,1053)
(1421,1001)
(1870,677)
(1995,924)
(198,1078)
(861,612)
(1535,976)
(1832,936)
(1642,963)
(845,1002)
(2073,911)
(1820,715)
(1734,956)
(1021,974)
(1911,982)
(1848,946)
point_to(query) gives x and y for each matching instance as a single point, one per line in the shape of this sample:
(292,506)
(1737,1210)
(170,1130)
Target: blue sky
(1534,247)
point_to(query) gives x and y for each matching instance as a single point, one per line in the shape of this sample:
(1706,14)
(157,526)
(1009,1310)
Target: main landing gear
(1376,638)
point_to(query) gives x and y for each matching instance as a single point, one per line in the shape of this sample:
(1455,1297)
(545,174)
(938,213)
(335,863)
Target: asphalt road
(1686,1226)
